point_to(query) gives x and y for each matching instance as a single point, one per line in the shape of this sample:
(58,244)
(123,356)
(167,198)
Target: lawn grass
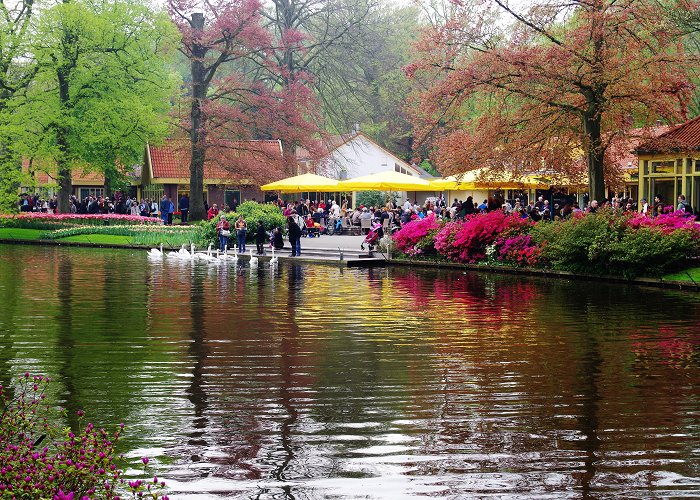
(692,275)
(12,233)
(99,239)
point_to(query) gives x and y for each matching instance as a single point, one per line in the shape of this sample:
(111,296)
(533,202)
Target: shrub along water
(609,242)
(252,212)
(40,459)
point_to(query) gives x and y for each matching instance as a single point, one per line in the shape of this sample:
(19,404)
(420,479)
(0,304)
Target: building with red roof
(669,164)
(167,170)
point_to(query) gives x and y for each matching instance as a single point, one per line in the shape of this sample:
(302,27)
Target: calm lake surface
(314,381)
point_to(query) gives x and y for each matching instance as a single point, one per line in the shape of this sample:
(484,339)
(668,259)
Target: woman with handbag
(223,229)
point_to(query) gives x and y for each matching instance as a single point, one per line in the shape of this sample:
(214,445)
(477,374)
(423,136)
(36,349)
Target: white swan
(274,259)
(184,254)
(253,260)
(225,256)
(155,253)
(208,256)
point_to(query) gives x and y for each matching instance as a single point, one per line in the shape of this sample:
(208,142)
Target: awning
(302,183)
(480,179)
(385,181)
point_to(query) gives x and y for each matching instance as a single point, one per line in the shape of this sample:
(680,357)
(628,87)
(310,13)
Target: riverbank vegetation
(39,458)
(607,243)
(107,229)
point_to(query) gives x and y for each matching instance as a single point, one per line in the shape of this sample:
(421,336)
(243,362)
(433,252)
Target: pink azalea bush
(609,242)
(39,459)
(667,223)
(518,250)
(466,241)
(417,236)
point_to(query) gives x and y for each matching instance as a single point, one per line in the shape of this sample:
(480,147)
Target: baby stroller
(376,232)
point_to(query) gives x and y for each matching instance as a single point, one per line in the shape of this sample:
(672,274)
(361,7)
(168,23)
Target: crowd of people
(118,204)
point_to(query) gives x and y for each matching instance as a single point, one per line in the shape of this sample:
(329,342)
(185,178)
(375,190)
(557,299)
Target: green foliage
(579,244)
(252,212)
(428,167)
(102,89)
(371,198)
(11,233)
(606,244)
(651,252)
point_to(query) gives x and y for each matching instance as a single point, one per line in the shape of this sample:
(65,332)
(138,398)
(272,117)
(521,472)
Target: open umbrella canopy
(385,181)
(481,179)
(301,183)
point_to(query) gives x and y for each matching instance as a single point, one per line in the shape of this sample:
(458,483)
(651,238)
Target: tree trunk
(289,158)
(65,184)
(594,154)
(198,147)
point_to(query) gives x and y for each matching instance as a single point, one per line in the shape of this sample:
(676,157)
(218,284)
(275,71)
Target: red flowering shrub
(466,241)
(39,459)
(519,250)
(667,223)
(417,237)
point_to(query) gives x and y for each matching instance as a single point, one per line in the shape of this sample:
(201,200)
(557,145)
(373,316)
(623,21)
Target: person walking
(241,233)
(223,230)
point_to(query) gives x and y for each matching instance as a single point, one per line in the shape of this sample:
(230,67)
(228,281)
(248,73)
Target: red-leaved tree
(566,81)
(230,103)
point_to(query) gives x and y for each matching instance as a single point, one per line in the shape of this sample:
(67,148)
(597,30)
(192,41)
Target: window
(697,165)
(95,192)
(663,167)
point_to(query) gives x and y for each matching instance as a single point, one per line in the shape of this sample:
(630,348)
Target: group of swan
(209,256)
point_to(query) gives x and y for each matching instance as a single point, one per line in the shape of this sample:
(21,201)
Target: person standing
(184,208)
(260,237)
(223,230)
(241,233)
(164,209)
(294,235)
(171,211)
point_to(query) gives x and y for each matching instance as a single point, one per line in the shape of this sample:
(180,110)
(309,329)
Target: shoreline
(405,262)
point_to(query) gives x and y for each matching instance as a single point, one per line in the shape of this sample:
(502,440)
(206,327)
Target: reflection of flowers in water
(491,293)
(674,348)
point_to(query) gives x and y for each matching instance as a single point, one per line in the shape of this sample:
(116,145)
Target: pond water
(315,381)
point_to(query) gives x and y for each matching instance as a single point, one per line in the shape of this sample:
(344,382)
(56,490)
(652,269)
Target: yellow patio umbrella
(301,183)
(385,181)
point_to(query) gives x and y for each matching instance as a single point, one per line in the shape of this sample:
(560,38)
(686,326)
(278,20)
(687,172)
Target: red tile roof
(46,175)
(171,160)
(683,137)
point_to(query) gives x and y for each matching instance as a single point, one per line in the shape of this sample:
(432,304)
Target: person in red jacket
(213,212)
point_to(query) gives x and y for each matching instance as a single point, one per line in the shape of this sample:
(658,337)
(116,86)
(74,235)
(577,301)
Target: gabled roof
(683,137)
(171,160)
(47,174)
(335,142)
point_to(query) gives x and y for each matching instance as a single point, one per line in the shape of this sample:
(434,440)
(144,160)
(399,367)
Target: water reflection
(307,381)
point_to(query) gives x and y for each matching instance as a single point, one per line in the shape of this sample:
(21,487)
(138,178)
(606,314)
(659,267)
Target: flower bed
(140,234)
(608,243)
(33,219)
(40,459)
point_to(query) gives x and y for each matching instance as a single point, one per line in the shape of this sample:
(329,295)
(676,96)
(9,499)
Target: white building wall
(359,157)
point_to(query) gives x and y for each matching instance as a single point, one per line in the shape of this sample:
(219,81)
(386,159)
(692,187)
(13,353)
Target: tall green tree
(17,70)
(102,90)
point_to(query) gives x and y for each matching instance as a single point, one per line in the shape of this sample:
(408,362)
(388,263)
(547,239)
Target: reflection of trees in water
(197,352)
(10,292)
(65,340)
